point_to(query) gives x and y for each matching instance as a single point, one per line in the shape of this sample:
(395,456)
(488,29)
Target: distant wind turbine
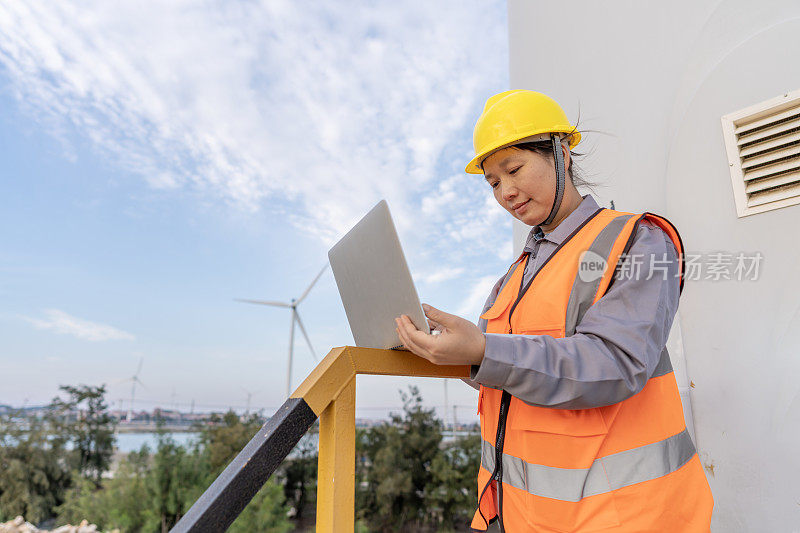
(295,318)
(249,396)
(134,380)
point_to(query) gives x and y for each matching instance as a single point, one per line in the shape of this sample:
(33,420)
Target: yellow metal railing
(330,392)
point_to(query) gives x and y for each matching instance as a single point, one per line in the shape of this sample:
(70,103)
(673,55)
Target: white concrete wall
(656,78)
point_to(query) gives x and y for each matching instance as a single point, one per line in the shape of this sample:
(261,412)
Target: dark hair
(574,171)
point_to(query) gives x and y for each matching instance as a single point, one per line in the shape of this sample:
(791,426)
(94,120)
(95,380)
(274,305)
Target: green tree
(122,503)
(395,467)
(173,481)
(39,453)
(150,493)
(225,437)
(451,496)
(266,512)
(33,470)
(299,474)
(83,418)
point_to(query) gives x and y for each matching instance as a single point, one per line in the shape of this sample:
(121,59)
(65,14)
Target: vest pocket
(500,305)
(560,422)
(559,447)
(596,513)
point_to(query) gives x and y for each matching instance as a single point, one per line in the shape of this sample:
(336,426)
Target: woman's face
(523,182)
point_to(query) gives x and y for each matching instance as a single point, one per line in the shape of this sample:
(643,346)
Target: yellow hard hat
(513,116)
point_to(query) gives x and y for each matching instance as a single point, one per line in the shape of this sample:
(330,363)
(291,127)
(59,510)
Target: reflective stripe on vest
(584,289)
(607,473)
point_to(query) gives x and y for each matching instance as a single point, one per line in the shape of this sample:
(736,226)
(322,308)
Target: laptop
(374,281)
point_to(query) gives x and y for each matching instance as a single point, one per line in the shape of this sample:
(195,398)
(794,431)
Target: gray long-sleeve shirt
(617,344)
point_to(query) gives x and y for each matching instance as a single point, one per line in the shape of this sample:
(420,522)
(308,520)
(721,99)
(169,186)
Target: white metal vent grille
(763,143)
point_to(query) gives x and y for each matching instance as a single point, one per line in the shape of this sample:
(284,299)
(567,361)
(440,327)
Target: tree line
(55,469)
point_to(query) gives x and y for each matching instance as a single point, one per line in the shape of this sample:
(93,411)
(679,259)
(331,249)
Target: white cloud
(330,105)
(476,297)
(467,215)
(314,110)
(439,275)
(61,322)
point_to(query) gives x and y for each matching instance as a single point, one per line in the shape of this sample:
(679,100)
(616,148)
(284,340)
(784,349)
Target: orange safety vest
(630,466)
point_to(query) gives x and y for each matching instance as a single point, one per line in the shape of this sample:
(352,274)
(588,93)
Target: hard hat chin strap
(558,157)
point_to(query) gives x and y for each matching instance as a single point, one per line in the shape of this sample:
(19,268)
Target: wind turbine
(249,396)
(295,318)
(134,380)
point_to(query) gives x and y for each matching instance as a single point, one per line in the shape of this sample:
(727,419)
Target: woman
(581,420)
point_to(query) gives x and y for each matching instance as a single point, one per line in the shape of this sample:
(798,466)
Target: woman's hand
(460,341)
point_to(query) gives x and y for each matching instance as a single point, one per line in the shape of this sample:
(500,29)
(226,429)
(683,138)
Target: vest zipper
(505,402)
(497,472)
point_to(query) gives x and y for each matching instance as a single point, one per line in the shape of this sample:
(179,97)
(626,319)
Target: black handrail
(230,493)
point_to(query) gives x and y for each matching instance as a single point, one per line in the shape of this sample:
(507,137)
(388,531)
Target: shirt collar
(584,210)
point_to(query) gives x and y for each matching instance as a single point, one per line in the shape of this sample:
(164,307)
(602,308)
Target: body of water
(132,442)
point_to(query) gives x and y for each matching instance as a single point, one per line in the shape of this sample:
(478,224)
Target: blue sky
(158,161)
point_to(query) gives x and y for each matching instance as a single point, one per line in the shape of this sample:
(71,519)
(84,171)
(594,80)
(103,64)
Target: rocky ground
(19,525)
